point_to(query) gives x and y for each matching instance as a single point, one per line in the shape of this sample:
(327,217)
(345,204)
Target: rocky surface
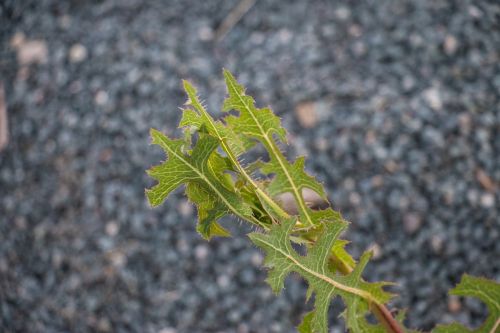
(405,135)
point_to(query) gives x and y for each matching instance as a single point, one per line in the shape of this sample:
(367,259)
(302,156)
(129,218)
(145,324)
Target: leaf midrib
(232,156)
(325,278)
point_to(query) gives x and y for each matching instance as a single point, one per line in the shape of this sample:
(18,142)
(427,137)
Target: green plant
(207,160)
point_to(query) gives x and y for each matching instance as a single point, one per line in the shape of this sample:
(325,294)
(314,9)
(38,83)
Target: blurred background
(396,103)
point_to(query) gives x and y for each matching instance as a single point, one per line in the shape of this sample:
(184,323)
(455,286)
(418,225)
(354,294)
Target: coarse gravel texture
(406,138)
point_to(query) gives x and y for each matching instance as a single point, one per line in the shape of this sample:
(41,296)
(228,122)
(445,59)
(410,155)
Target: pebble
(454,304)
(17,40)
(376,250)
(412,222)
(101,98)
(433,97)
(354,198)
(118,259)
(487,200)
(185,208)
(343,13)
(112,229)
(450,45)
(30,51)
(223,281)
(437,243)
(257,259)
(306,114)
(201,252)
(77,53)
(206,33)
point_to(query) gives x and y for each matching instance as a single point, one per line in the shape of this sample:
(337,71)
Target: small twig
(233,17)
(4,128)
(385,317)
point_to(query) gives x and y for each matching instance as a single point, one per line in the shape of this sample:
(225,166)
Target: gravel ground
(397,102)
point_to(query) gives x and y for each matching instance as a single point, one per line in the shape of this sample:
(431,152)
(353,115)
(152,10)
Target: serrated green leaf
(233,144)
(262,125)
(487,291)
(282,259)
(202,172)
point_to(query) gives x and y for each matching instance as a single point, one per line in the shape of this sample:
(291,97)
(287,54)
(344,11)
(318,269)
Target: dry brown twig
(4,128)
(233,17)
